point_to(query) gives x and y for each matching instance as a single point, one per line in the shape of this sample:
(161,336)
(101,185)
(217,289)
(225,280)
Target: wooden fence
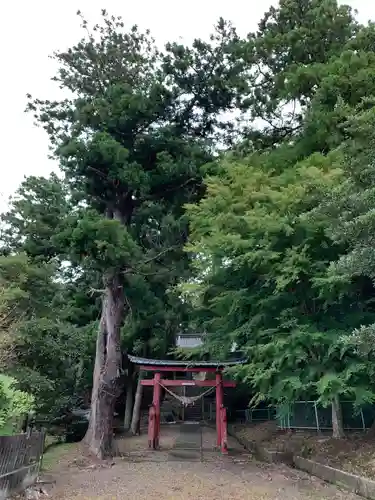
(20,460)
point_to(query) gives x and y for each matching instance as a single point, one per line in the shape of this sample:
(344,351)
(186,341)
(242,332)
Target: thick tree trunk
(337,423)
(135,425)
(107,371)
(128,403)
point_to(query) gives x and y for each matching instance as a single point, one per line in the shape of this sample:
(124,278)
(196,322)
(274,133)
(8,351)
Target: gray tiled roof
(188,364)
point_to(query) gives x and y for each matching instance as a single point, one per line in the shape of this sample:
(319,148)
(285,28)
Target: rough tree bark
(337,422)
(128,402)
(137,406)
(107,370)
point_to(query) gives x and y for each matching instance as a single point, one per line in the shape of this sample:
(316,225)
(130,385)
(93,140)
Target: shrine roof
(186,364)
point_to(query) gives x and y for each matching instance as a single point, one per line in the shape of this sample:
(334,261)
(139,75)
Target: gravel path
(151,476)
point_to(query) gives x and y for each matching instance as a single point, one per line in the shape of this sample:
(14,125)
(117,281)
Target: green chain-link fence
(311,415)
(302,415)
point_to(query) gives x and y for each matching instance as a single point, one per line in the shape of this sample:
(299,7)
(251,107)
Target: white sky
(31,31)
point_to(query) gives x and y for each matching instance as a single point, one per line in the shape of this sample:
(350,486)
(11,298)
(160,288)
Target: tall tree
(288,51)
(60,326)
(261,283)
(36,211)
(36,347)
(348,212)
(131,141)
(266,275)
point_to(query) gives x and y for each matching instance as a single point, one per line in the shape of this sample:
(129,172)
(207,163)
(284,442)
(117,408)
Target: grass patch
(52,440)
(55,453)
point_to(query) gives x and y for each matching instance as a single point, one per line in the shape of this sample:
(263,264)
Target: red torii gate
(159,366)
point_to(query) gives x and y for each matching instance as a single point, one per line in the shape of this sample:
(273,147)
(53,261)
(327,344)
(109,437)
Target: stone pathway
(189,443)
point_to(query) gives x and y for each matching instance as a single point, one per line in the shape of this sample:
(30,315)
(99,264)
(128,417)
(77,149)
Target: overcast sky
(31,31)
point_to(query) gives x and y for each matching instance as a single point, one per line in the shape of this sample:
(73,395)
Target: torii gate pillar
(156,403)
(219,404)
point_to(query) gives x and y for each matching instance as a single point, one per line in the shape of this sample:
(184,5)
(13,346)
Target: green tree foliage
(263,281)
(348,212)
(25,292)
(46,338)
(14,403)
(36,212)
(287,54)
(266,261)
(45,353)
(282,235)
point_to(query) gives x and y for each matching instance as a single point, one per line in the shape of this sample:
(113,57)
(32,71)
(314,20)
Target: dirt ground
(140,474)
(355,453)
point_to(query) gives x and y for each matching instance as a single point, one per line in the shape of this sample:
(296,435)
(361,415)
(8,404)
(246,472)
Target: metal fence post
(316,417)
(363,421)
(281,420)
